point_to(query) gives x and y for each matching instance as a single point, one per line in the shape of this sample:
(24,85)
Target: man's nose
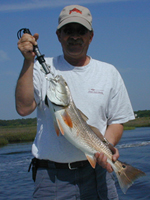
(75,34)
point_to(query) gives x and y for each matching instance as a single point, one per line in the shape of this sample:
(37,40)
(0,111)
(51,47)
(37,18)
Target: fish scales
(72,124)
(85,132)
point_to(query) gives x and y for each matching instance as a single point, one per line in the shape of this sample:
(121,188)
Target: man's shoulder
(54,59)
(103,64)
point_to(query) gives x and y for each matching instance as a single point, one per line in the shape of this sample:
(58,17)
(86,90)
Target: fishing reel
(39,57)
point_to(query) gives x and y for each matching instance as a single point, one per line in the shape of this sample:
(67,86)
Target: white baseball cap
(75,14)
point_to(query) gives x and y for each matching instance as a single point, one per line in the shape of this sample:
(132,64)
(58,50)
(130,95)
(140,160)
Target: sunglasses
(79,31)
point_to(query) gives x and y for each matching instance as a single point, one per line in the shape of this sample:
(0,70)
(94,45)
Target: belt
(48,163)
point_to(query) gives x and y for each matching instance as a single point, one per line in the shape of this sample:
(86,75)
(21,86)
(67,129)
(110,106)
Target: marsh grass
(138,122)
(26,133)
(17,134)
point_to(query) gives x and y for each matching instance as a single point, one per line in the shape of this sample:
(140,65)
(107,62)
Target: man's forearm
(114,133)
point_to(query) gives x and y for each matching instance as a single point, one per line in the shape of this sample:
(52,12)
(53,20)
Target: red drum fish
(71,122)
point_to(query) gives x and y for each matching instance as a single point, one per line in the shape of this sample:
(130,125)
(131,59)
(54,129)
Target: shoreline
(26,133)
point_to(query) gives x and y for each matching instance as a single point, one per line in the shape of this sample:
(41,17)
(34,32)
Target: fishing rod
(39,57)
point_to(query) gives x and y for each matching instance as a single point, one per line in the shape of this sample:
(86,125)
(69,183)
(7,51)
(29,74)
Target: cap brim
(79,20)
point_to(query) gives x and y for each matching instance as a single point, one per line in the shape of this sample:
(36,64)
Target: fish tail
(126,175)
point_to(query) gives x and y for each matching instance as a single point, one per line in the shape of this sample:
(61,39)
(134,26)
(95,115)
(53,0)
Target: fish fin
(67,119)
(97,132)
(111,147)
(60,127)
(91,160)
(56,128)
(84,117)
(102,138)
(126,175)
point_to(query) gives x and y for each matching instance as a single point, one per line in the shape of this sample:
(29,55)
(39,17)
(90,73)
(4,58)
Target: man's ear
(91,36)
(58,33)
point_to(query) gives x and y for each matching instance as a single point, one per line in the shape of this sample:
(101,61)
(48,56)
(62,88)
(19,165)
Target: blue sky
(121,37)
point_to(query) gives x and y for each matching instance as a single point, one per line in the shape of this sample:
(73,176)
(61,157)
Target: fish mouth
(57,91)
(55,81)
(58,80)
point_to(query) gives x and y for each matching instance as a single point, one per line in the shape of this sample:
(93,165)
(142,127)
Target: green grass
(138,122)
(128,128)
(17,134)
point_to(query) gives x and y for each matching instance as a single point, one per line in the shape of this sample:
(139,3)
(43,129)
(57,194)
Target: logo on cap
(75,10)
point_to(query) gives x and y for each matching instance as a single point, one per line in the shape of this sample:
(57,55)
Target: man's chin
(75,50)
(74,53)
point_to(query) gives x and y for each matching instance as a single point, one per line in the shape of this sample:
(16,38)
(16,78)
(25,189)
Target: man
(98,91)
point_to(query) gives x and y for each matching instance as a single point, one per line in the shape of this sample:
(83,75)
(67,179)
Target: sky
(121,37)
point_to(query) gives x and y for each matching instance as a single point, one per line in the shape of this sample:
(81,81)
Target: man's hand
(25,45)
(102,160)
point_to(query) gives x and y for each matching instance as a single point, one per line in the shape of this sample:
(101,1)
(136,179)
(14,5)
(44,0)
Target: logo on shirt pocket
(96,91)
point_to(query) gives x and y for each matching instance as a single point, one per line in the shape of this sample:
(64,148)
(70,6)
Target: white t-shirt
(97,90)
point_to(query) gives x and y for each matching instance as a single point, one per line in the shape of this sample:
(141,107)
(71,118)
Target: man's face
(75,40)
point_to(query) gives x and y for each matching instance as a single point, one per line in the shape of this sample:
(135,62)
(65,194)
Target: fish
(72,124)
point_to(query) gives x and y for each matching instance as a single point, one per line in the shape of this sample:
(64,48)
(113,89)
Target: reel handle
(39,57)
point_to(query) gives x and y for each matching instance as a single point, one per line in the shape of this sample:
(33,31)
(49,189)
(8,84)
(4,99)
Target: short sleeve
(119,106)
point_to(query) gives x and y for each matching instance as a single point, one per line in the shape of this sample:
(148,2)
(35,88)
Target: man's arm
(113,134)
(24,95)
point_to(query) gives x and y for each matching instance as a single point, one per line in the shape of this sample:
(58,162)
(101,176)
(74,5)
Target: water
(16,183)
